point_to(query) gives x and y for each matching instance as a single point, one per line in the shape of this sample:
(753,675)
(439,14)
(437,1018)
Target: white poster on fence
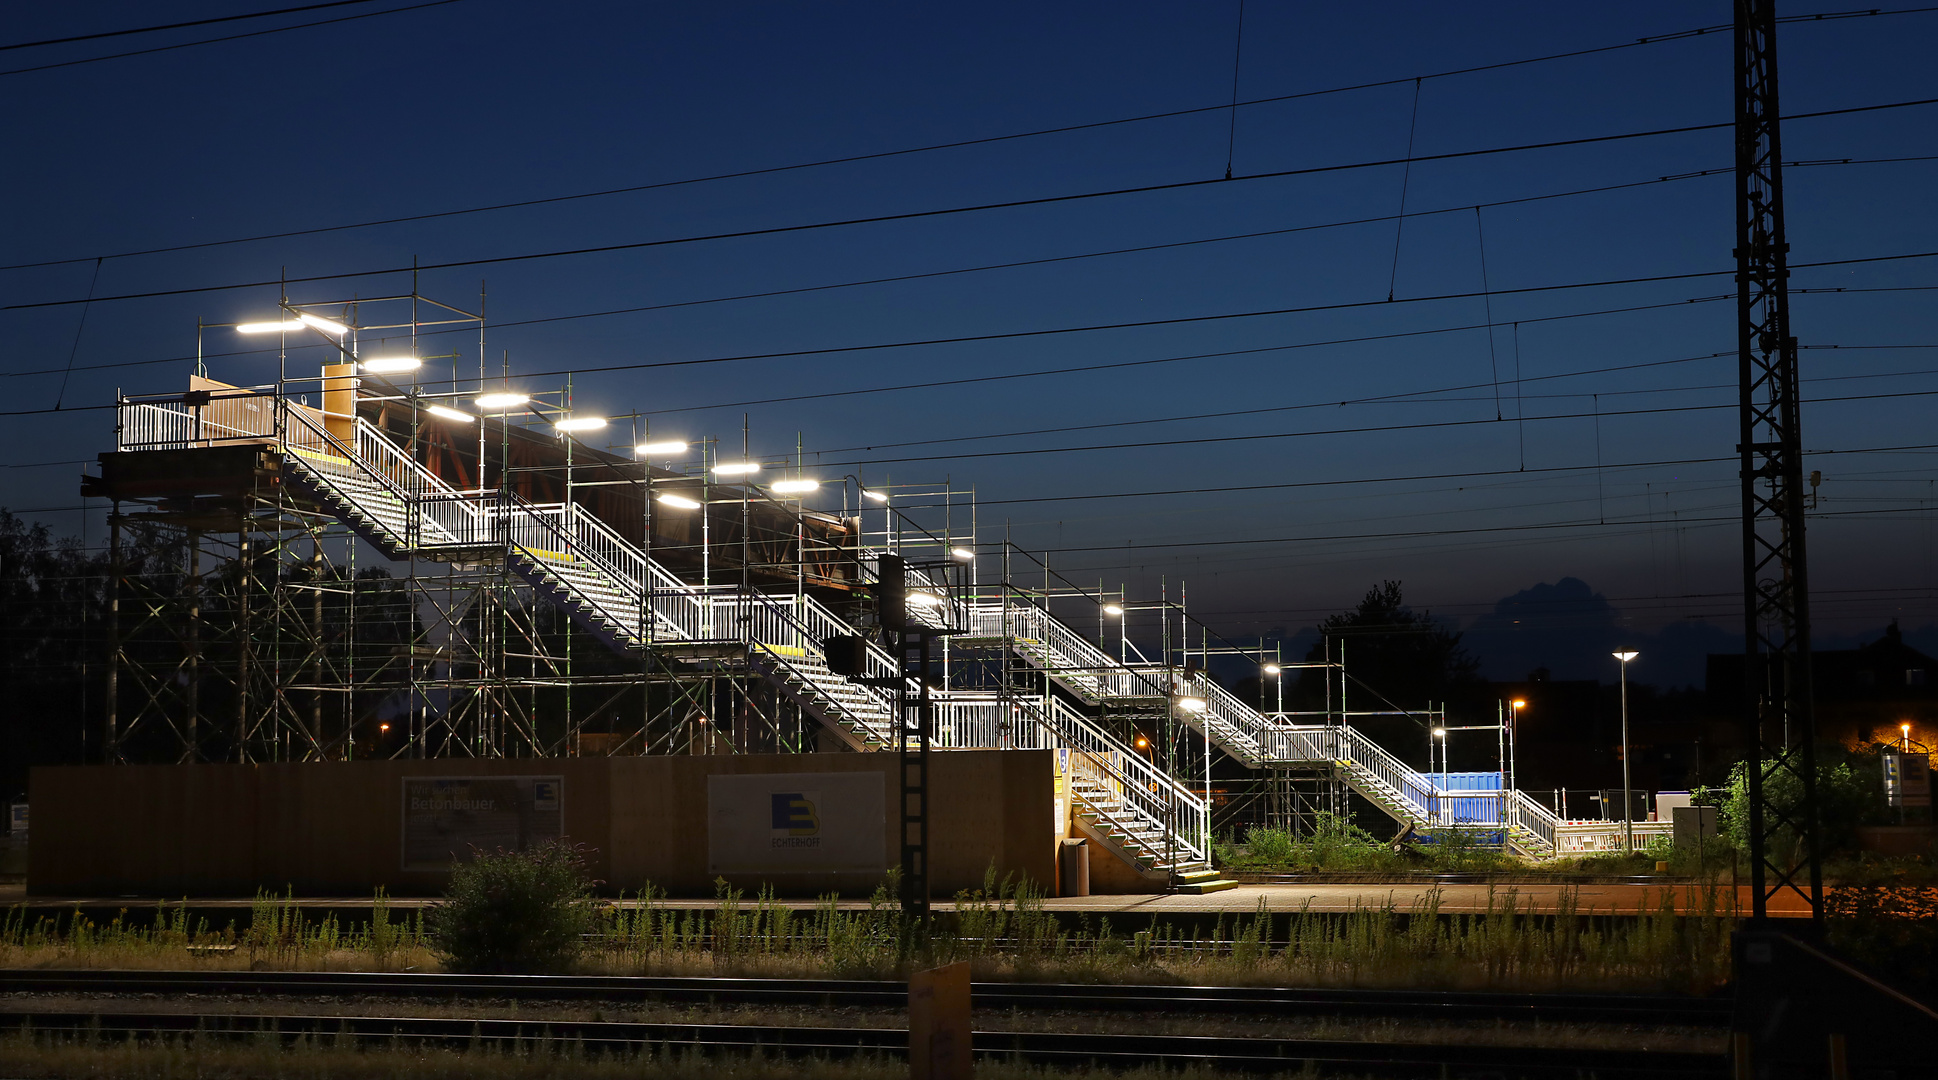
(796,823)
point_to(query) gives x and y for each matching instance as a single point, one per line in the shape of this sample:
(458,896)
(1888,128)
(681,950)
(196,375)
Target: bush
(1850,792)
(1334,843)
(515,912)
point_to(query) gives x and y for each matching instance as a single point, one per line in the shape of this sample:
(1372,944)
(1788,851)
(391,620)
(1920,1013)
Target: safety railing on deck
(192,420)
(983,721)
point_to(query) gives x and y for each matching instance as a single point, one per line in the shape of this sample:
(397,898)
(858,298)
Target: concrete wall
(336,828)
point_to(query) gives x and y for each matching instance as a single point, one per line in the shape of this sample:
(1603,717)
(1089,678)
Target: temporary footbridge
(348,464)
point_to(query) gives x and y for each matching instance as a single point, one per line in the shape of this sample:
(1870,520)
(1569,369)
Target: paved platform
(1458,899)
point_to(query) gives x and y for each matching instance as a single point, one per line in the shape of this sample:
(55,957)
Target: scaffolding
(413,568)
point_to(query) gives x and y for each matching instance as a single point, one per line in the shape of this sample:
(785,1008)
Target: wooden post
(938,1024)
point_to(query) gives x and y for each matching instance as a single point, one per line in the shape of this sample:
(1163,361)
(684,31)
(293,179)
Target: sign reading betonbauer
(447,817)
(796,823)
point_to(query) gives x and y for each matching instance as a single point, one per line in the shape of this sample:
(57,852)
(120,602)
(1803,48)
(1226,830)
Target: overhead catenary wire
(227,37)
(282,282)
(1423,425)
(960,143)
(1109,365)
(179,25)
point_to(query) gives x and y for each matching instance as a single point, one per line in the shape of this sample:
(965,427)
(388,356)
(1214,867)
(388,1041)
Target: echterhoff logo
(796,823)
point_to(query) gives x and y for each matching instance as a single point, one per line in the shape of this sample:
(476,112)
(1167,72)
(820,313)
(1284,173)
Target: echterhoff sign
(446,818)
(796,823)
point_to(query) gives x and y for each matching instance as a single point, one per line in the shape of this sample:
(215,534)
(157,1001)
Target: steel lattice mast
(1779,728)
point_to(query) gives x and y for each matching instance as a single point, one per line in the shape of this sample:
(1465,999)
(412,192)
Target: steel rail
(1425,1005)
(1235,1054)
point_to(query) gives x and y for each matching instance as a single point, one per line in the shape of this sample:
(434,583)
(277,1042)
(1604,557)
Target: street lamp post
(1628,799)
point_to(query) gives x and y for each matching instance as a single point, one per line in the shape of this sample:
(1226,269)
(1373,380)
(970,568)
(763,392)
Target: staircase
(612,590)
(1242,732)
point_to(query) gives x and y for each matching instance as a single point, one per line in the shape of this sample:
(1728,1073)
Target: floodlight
(1625,657)
(736,468)
(282,327)
(962,553)
(1192,704)
(659,449)
(385,365)
(1271,669)
(1439,733)
(795,487)
(874,496)
(1518,703)
(579,423)
(1113,609)
(500,401)
(450,414)
(323,324)
(923,599)
(1905,727)
(679,502)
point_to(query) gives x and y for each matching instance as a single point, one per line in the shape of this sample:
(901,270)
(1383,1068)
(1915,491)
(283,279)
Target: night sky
(1476,485)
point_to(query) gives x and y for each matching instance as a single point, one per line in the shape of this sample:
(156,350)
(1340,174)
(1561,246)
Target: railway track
(835,993)
(1249,1055)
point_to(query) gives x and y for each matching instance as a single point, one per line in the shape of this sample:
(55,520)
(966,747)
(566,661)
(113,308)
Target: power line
(179,25)
(1422,425)
(958,144)
(1424,397)
(1475,531)
(1014,264)
(1027,374)
(913,215)
(214,40)
(1136,363)
(1233,106)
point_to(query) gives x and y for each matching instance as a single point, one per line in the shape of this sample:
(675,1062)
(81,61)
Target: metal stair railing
(542,533)
(456,521)
(770,624)
(1146,791)
(1068,655)
(1244,732)
(1526,815)
(680,607)
(1418,796)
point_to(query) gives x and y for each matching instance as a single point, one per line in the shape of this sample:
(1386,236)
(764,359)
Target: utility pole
(1779,728)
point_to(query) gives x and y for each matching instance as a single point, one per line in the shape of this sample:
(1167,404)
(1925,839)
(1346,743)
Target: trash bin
(1073,859)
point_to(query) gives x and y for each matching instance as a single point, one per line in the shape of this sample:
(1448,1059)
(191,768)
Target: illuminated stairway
(1242,732)
(612,590)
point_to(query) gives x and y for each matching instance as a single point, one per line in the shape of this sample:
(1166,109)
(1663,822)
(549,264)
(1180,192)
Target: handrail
(1525,813)
(394,471)
(1072,658)
(1151,792)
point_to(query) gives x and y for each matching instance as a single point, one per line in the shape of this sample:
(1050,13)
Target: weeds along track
(1422,1005)
(1251,1055)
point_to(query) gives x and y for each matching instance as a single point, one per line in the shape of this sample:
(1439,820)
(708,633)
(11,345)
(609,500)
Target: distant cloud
(1570,629)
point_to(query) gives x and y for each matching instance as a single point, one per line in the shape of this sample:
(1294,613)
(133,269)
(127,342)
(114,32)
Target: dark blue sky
(482,102)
